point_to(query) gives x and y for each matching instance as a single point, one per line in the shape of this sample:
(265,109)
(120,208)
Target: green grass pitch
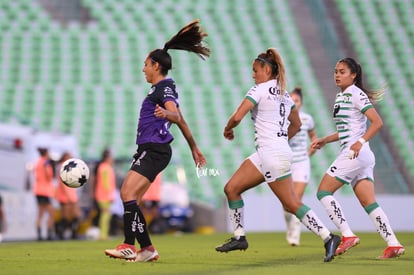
(268,253)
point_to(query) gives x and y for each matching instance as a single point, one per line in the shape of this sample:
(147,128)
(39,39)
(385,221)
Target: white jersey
(270,113)
(348,115)
(300,142)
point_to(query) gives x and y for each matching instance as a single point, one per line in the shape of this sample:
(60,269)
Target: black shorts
(151,159)
(43,200)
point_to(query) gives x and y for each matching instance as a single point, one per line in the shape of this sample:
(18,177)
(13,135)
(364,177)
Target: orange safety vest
(154,191)
(43,185)
(105,183)
(65,194)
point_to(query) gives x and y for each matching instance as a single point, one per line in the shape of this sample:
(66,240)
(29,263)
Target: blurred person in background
(159,110)
(151,200)
(354,165)
(105,192)
(301,167)
(2,219)
(95,212)
(70,211)
(44,191)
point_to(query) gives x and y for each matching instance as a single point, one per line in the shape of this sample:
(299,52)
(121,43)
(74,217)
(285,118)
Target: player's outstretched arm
(170,112)
(234,120)
(198,156)
(320,142)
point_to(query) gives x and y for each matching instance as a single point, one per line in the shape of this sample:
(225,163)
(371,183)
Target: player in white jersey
(301,170)
(275,120)
(355,163)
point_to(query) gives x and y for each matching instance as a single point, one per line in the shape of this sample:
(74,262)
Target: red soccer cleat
(392,252)
(346,244)
(122,251)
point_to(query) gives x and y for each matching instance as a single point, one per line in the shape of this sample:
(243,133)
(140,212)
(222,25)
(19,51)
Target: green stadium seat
(94,70)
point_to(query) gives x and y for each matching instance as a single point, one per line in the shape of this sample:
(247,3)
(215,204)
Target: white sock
(334,210)
(288,219)
(293,228)
(312,222)
(380,220)
(236,218)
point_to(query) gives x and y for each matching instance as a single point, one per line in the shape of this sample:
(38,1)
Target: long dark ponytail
(189,38)
(374,95)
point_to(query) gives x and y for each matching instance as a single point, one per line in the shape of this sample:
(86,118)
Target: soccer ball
(74,173)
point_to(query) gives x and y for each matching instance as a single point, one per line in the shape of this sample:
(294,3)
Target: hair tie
(273,66)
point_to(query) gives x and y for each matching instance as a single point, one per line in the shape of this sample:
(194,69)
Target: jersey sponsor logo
(274,91)
(168,92)
(337,212)
(340,127)
(134,223)
(383,226)
(282,133)
(366,100)
(237,218)
(137,158)
(336,109)
(313,223)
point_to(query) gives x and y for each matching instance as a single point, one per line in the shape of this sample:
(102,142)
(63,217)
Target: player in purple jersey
(158,111)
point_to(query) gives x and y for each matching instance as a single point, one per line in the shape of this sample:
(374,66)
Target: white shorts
(273,163)
(350,171)
(301,171)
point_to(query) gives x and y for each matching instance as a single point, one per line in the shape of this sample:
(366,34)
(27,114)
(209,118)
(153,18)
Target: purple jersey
(150,128)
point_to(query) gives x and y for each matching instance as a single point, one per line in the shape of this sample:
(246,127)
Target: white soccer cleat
(122,251)
(147,254)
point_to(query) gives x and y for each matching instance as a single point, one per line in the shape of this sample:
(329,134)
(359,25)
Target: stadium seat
(94,70)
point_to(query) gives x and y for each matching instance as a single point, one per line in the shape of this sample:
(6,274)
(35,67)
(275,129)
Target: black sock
(74,226)
(142,234)
(130,221)
(135,225)
(60,228)
(65,224)
(39,233)
(49,234)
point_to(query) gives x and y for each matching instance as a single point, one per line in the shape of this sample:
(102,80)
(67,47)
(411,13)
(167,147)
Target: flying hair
(374,95)
(189,38)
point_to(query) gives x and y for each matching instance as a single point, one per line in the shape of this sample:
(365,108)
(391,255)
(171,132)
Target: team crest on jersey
(347,98)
